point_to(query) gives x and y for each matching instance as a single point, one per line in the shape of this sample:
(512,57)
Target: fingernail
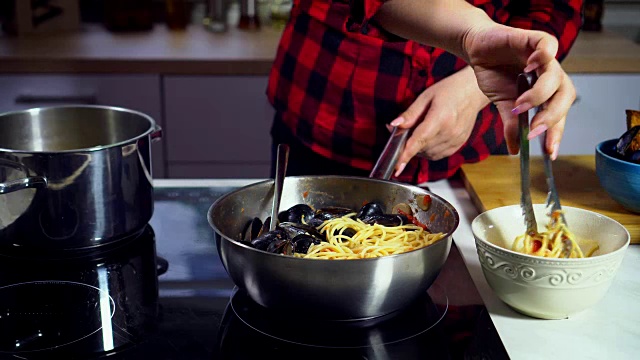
(554,152)
(389,127)
(397,122)
(537,131)
(521,108)
(400,169)
(531,67)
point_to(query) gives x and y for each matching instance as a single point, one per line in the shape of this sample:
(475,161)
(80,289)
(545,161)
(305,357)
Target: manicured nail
(537,131)
(397,122)
(389,127)
(554,152)
(531,67)
(400,169)
(521,108)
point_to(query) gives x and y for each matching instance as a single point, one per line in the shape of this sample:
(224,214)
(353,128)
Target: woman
(345,71)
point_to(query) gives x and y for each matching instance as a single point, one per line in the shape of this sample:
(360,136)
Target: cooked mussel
(296,214)
(369,210)
(625,140)
(294,229)
(345,232)
(331,212)
(386,220)
(283,246)
(633,157)
(251,230)
(302,242)
(263,241)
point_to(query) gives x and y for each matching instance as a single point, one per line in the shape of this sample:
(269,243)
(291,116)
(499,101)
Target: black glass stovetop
(165,295)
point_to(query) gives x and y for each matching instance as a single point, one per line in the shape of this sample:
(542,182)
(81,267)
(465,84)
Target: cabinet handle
(74,99)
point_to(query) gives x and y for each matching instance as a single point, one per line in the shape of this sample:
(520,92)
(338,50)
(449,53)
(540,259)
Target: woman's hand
(498,54)
(443,117)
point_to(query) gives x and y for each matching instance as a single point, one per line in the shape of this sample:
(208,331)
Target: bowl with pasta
(527,272)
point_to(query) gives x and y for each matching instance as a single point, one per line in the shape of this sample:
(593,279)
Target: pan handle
(23,183)
(156,134)
(389,157)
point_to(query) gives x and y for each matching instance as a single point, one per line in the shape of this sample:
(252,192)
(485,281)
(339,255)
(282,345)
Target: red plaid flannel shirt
(338,78)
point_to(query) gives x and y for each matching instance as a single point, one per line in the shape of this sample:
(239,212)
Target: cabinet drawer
(136,92)
(218,119)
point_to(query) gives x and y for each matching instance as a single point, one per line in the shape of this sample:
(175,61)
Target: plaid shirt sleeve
(560,18)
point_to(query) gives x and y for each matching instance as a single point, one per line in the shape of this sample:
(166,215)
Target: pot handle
(156,134)
(389,157)
(24,183)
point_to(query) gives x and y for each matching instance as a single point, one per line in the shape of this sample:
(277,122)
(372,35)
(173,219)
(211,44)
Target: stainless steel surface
(525,179)
(338,289)
(553,200)
(526,82)
(74,176)
(389,157)
(281,171)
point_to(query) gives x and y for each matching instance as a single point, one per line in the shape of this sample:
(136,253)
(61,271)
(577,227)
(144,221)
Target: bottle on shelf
(176,14)
(593,10)
(249,19)
(217,18)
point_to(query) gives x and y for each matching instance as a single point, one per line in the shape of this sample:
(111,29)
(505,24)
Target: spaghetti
(369,240)
(550,243)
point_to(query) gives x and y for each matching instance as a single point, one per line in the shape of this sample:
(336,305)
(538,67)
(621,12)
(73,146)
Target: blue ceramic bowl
(619,178)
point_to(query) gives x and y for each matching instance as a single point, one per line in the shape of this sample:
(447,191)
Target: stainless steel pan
(330,289)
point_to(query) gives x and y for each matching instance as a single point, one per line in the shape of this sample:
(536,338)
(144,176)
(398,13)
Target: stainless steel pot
(331,289)
(74,177)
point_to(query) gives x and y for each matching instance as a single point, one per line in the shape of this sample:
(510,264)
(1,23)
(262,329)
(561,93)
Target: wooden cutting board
(495,182)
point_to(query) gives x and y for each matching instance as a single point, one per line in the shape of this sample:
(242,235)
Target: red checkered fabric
(338,78)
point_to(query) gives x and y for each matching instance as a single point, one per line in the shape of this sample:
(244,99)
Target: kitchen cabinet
(136,92)
(217,126)
(598,113)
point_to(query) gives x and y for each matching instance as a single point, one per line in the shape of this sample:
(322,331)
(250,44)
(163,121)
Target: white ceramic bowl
(541,287)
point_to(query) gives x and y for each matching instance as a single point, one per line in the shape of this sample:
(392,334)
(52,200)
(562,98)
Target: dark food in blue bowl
(624,148)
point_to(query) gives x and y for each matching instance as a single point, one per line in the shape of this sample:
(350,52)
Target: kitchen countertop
(607,331)
(236,52)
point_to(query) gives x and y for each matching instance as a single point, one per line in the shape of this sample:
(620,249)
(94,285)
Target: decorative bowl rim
(538,260)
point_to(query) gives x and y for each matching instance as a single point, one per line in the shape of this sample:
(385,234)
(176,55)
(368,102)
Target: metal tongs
(526,82)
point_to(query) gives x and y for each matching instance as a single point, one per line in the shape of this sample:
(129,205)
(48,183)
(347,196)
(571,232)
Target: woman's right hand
(498,54)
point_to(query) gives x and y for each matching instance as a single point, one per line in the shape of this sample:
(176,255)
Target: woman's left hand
(442,116)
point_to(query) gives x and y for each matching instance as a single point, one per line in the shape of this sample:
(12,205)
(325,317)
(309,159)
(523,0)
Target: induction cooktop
(165,295)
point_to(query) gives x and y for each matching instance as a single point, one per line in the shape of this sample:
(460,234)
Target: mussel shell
(252,230)
(625,140)
(315,222)
(280,247)
(369,210)
(633,157)
(263,241)
(294,229)
(331,212)
(346,232)
(301,243)
(296,213)
(386,220)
